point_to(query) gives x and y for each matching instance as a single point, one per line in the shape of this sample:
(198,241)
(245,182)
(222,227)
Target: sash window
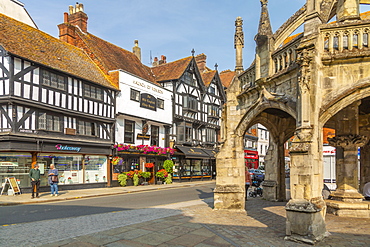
(129,131)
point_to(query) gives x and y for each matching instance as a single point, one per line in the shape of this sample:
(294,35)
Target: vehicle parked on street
(257,175)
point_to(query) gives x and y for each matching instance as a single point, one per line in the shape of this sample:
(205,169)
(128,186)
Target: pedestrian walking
(53,180)
(248,182)
(35,180)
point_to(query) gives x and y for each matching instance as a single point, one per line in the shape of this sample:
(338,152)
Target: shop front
(193,164)
(77,163)
(141,158)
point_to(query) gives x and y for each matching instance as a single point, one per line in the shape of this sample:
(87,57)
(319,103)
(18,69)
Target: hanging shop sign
(143,137)
(67,148)
(148,101)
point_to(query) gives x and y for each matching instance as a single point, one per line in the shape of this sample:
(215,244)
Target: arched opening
(346,166)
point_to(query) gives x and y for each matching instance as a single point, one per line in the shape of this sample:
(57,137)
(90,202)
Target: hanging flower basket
(145,149)
(149,165)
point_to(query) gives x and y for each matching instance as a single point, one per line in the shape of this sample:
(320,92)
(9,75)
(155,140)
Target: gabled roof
(113,57)
(32,44)
(171,71)
(208,76)
(227,77)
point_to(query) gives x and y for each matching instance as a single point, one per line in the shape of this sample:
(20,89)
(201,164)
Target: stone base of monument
(348,209)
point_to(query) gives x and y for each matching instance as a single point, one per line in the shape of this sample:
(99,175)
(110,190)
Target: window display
(16,165)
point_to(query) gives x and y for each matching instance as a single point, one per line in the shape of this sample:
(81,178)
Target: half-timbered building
(56,107)
(144,107)
(198,97)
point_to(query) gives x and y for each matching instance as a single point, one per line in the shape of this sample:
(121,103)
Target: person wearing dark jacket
(35,180)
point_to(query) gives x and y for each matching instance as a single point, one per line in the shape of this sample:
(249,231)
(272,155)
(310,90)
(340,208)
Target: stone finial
(239,44)
(264,2)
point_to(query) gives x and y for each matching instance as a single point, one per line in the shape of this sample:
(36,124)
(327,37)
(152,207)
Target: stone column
(271,163)
(229,193)
(347,141)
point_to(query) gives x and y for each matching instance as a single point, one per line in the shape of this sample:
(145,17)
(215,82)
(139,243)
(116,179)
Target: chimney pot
(65,17)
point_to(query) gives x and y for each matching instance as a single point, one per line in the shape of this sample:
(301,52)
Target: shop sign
(6,163)
(148,101)
(142,137)
(67,148)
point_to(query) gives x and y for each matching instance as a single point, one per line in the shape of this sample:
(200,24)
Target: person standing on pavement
(248,182)
(35,180)
(53,180)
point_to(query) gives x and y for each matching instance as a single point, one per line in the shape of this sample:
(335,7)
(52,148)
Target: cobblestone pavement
(192,223)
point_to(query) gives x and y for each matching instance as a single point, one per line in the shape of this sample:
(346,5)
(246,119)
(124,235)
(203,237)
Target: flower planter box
(129,182)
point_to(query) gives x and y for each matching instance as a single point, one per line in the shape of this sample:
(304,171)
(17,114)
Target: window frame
(53,80)
(137,99)
(132,133)
(49,122)
(160,103)
(154,138)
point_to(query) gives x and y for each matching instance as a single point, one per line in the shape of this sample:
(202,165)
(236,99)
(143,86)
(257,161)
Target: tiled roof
(113,57)
(208,76)
(172,70)
(227,77)
(32,44)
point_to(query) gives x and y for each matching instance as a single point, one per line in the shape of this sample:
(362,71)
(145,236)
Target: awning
(194,153)
(211,153)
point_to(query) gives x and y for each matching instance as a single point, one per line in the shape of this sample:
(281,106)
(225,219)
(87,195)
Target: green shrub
(136,179)
(122,179)
(168,165)
(168,179)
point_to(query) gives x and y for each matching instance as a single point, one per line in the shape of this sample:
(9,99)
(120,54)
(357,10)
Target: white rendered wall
(130,107)
(16,10)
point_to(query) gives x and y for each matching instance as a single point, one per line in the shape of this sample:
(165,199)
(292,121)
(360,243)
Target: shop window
(48,122)
(16,165)
(154,136)
(134,95)
(87,128)
(129,131)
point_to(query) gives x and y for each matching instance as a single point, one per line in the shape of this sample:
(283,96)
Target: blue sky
(170,27)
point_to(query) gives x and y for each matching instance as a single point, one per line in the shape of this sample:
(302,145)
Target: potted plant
(146,175)
(122,179)
(161,175)
(168,166)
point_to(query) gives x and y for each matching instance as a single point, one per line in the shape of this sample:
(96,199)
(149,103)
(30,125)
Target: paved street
(191,223)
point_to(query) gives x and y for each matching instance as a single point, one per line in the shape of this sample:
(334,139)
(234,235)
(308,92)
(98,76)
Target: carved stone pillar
(306,209)
(271,163)
(347,141)
(229,193)
(347,167)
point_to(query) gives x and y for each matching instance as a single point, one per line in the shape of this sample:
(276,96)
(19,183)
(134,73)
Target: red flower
(149,165)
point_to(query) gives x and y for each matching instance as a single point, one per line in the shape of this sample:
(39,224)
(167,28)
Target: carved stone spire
(264,27)
(239,45)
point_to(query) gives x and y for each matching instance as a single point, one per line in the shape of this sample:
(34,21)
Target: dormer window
(212,90)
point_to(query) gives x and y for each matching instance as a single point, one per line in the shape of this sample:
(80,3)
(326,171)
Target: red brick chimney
(201,62)
(163,59)
(75,18)
(155,62)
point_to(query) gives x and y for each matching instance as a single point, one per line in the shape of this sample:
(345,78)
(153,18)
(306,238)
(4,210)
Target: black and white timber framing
(196,108)
(39,102)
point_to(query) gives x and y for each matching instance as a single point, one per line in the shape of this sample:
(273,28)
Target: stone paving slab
(25,198)
(192,223)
